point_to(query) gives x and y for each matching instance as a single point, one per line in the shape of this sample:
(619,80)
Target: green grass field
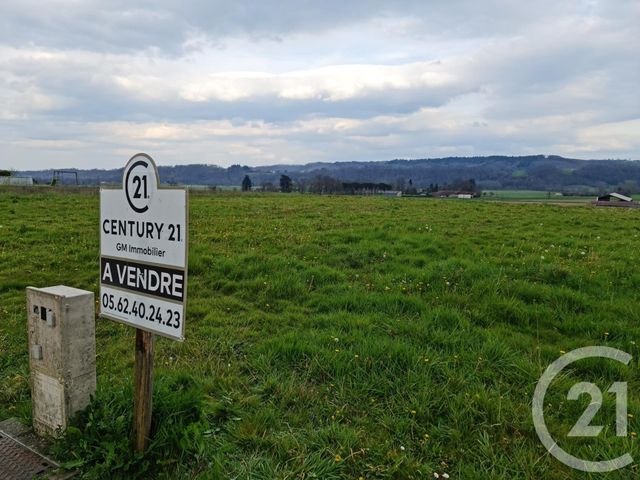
(520,194)
(535,195)
(346,337)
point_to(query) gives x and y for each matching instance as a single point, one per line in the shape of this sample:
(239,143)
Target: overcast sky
(88,83)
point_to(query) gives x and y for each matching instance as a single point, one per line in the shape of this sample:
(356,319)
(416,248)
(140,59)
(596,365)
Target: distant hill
(536,172)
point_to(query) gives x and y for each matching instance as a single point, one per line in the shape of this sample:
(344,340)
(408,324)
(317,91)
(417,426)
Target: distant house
(391,193)
(614,197)
(616,200)
(452,194)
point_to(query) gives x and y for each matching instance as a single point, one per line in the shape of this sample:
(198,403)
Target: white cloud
(332,83)
(268,83)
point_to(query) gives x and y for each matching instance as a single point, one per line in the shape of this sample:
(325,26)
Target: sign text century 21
(142,229)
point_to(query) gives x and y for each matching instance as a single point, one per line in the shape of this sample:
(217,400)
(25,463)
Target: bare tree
(400,184)
(325,184)
(269,187)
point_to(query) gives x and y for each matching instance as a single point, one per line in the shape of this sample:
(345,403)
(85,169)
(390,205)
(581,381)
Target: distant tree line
(469,186)
(353,188)
(534,172)
(325,184)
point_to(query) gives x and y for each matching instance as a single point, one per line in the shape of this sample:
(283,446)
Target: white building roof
(619,196)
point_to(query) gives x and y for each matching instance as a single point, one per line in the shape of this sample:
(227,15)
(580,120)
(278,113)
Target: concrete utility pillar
(62,354)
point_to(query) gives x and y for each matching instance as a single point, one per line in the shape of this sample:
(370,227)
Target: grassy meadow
(335,337)
(536,196)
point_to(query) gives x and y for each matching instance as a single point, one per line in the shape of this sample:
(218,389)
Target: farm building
(614,197)
(616,200)
(452,194)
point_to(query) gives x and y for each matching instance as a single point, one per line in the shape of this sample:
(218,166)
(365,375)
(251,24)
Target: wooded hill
(537,172)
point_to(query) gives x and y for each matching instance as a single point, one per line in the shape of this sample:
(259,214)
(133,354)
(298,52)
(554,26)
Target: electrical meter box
(62,354)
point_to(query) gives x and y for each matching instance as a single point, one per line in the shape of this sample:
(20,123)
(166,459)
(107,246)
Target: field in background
(535,195)
(344,337)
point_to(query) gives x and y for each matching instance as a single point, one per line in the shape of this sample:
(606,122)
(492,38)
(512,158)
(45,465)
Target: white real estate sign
(143,251)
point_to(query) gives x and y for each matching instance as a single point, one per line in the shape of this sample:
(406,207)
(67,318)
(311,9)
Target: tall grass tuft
(100,440)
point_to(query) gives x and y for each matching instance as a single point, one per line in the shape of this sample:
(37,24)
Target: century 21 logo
(139,183)
(583,427)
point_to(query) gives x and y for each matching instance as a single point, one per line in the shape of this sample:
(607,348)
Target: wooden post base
(143,390)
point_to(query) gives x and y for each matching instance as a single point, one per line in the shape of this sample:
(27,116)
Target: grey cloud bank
(87,84)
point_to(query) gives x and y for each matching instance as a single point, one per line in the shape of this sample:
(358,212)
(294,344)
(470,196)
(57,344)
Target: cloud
(119,25)
(291,81)
(329,84)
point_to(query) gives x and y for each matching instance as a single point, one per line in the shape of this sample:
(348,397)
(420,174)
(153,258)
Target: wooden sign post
(143,390)
(143,270)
